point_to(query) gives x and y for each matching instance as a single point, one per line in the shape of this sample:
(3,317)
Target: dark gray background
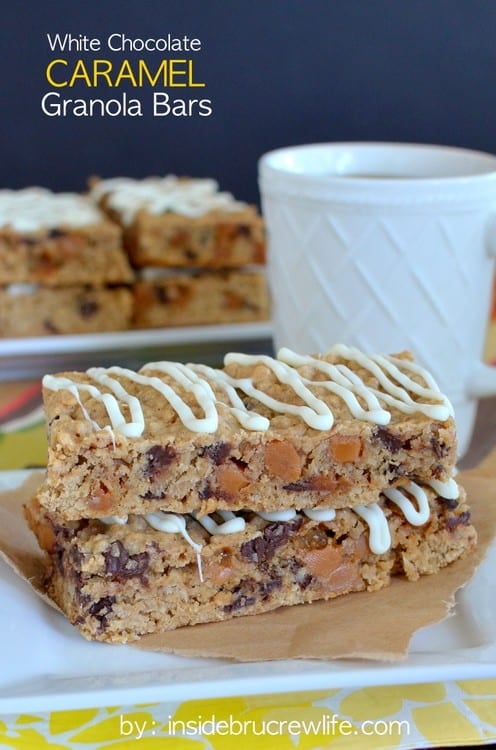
(279,72)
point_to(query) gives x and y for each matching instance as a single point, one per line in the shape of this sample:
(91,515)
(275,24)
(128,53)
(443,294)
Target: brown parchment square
(363,625)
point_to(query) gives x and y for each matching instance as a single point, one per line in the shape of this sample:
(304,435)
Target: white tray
(31,357)
(46,665)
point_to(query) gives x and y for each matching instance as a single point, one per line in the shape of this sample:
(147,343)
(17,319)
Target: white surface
(46,665)
(385,264)
(92,342)
(22,358)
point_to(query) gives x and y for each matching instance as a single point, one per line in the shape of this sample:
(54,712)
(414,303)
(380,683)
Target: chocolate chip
(217,452)
(244,594)
(68,531)
(390,441)
(312,484)
(82,598)
(49,326)
(438,471)
(58,557)
(244,230)
(462,520)
(450,503)
(242,601)
(242,465)
(301,486)
(395,470)
(55,234)
(269,586)
(120,564)
(87,307)
(76,557)
(305,581)
(158,457)
(263,548)
(440,449)
(248,590)
(150,495)
(101,609)
(302,578)
(206,491)
(162,295)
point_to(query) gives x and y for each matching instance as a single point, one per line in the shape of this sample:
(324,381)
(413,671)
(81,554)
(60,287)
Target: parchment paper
(376,625)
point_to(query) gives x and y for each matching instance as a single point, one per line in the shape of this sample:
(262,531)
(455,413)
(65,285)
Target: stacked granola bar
(62,267)
(182,494)
(66,259)
(198,253)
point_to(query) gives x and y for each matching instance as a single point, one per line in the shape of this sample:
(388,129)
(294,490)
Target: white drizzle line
(173,523)
(109,520)
(189,197)
(199,379)
(416,516)
(250,420)
(399,397)
(344,383)
(320,514)
(32,209)
(182,375)
(315,514)
(137,425)
(449,490)
(65,384)
(277,515)
(379,534)
(232,523)
(315,413)
(373,515)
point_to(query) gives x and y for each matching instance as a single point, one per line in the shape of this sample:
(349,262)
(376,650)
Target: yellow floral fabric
(379,718)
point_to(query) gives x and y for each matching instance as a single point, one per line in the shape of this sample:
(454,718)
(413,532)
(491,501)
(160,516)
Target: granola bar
(262,433)
(182,222)
(119,578)
(200,298)
(32,310)
(58,239)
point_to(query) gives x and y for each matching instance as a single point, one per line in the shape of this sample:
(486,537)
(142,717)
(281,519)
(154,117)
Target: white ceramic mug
(386,246)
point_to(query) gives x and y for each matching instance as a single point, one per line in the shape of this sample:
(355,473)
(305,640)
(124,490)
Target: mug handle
(483,381)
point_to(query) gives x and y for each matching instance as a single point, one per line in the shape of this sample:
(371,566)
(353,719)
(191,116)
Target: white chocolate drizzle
(174,523)
(373,515)
(320,514)
(448,490)
(119,520)
(379,534)
(277,515)
(158,195)
(416,516)
(315,514)
(66,384)
(32,209)
(386,369)
(231,523)
(21,289)
(212,388)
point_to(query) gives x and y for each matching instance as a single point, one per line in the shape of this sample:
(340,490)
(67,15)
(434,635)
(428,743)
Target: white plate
(30,357)
(46,665)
